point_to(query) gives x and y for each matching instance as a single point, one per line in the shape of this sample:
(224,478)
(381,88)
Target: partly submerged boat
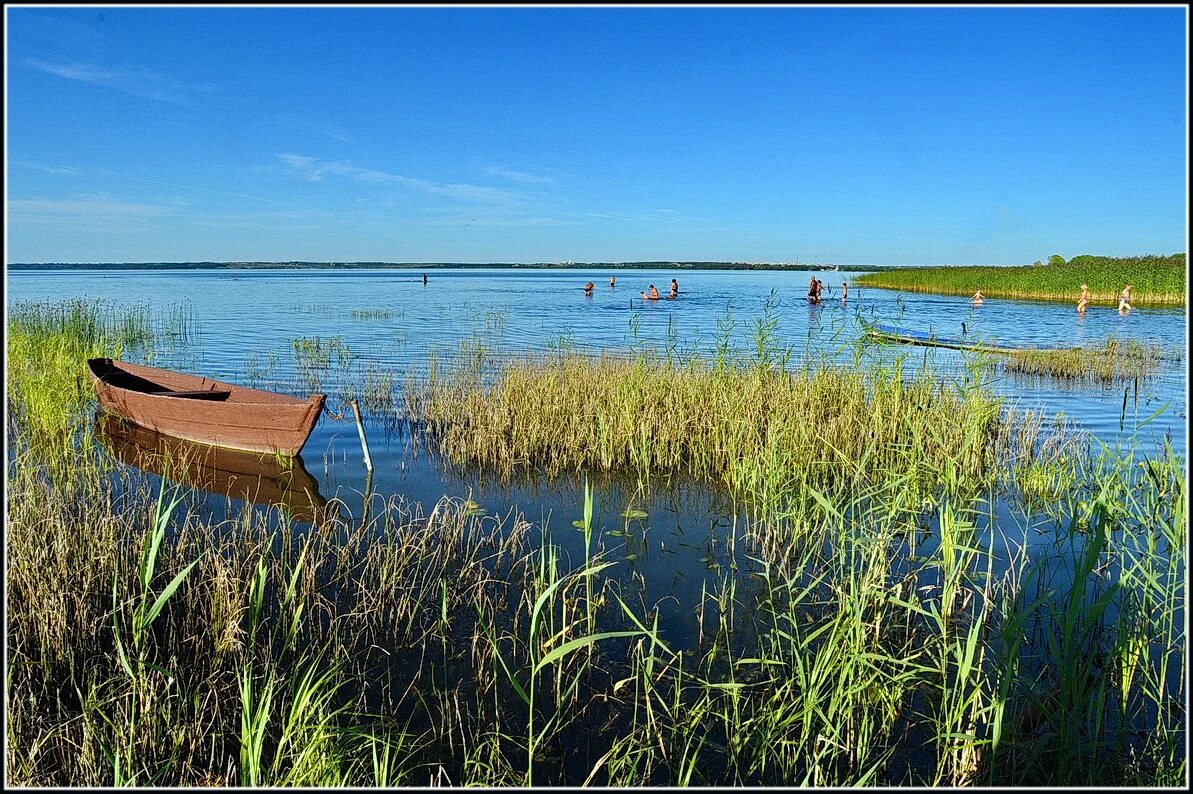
(890,333)
(248,476)
(205,411)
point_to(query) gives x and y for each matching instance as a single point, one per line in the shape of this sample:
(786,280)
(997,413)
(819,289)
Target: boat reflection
(249,476)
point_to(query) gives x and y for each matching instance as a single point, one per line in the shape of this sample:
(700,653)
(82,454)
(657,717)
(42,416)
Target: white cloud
(142,82)
(314,170)
(85,208)
(520,176)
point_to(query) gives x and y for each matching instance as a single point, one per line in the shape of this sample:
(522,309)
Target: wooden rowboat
(248,476)
(205,411)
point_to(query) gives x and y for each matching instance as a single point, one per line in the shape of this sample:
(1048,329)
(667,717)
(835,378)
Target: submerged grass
(1116,361)
(1156,280)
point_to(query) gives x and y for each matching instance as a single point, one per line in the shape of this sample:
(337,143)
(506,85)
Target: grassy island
(1155,280)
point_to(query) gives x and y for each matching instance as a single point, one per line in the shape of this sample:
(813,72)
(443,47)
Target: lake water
(246,321)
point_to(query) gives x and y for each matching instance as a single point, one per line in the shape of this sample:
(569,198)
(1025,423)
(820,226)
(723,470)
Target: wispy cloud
(521,176)
(138,81)
(315,170)
(56,170)
(86,208)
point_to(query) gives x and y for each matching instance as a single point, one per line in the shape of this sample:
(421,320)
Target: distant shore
(660,265)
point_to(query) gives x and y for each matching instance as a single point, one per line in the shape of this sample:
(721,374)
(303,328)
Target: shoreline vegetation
(934,598)
(1157,281)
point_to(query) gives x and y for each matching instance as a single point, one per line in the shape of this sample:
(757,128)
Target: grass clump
(47,347)
(1156,280)
(1116,361)
(754,428)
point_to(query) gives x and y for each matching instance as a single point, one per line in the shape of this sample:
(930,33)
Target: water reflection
(267,480)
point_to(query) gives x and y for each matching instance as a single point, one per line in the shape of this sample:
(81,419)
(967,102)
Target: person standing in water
(976,300)
(1124,300)
(424,279)
(844,292)
(652,296)
(588,288)
(674,288)
(1083,301)
(612,282)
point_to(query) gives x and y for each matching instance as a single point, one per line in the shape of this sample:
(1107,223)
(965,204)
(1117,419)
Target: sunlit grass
(1155,280)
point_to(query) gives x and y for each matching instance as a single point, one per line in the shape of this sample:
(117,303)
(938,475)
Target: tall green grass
(1115,362)
(1155,280)
(755,428)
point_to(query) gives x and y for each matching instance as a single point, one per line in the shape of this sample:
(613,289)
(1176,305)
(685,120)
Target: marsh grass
(1116,361)
(1157,280)
(48,344)
(371,314)
(313,356)
(758,428)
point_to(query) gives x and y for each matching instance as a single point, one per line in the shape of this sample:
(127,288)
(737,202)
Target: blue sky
(836,135)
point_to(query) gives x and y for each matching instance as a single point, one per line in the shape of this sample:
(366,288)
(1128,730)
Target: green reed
(1155,280)
(1115,362)
(48,344)
(756,428)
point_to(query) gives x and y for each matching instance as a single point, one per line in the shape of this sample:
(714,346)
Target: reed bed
(451,647)
(1115,362)
(1156,280)
(752,427)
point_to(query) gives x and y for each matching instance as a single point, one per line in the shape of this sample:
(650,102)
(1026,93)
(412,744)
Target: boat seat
(201,394)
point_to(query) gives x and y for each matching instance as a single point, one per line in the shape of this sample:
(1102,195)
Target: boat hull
(198,409)
(251,477)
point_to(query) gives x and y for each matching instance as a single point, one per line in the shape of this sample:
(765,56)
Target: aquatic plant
(1155,280)
(755,428)
(1116,361)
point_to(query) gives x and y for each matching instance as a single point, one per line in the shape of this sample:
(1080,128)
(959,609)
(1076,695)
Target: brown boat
(205,411)
(248,476)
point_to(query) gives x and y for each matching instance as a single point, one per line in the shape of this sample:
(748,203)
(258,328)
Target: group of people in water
(816,290)
(1124,299)
(652,294)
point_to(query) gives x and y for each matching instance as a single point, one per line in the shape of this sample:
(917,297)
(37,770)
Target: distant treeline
(1155,280)
(645,265)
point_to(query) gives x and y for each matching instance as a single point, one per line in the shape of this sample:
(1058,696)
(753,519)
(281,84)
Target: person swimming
(674,288)
(1083,300)
(653,296)
(976,300)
